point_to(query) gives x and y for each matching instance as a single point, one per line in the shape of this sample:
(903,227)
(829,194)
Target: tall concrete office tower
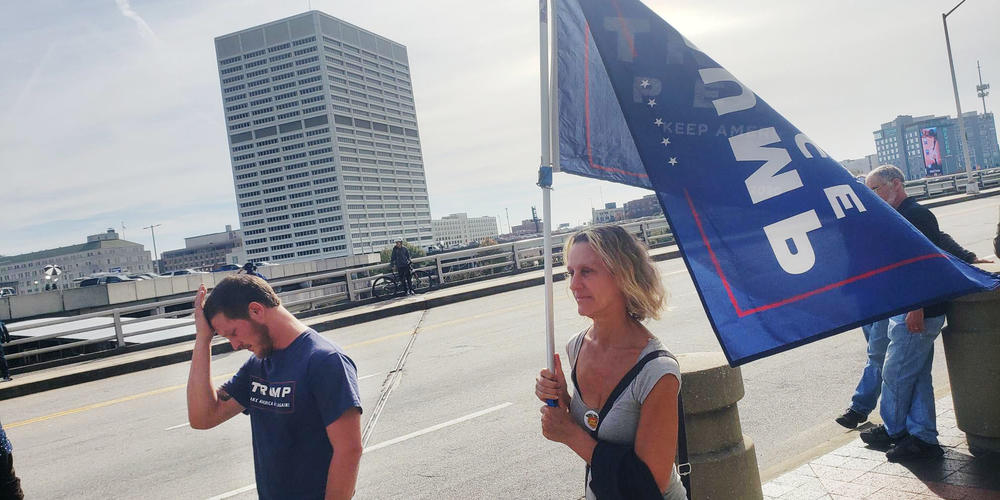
(323,138)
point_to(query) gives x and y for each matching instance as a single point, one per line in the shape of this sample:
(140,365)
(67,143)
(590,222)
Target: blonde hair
(628,260)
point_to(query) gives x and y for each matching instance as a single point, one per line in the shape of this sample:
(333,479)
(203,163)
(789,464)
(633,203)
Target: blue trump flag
(784,246)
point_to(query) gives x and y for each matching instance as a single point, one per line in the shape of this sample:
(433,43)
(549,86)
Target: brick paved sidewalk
(855,471)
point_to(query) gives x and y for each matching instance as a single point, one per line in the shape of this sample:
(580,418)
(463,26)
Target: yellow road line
(105,403)
(163,390)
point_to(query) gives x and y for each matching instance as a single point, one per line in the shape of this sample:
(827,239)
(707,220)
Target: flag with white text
(784,246)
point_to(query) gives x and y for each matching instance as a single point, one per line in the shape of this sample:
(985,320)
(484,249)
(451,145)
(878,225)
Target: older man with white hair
(901,349)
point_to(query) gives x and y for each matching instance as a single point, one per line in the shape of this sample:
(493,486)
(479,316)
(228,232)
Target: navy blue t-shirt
(291,396)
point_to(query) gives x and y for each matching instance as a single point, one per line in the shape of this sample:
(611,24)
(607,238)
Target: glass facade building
(323,139)
(925,144)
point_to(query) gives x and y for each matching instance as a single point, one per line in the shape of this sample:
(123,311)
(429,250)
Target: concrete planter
(723,461)
(972,350)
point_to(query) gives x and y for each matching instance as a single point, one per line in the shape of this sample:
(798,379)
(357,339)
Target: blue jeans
(870,386)
(907,390)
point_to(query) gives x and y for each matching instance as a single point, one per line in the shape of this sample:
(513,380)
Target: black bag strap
(683,466)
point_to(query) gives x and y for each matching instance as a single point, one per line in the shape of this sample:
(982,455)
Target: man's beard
(264,344)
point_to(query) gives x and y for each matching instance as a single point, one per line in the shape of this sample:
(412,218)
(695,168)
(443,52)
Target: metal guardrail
(931,187)
(318,291)
(353,285)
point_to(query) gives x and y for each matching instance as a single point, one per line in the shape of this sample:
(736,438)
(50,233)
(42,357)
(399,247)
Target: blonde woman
(621,418)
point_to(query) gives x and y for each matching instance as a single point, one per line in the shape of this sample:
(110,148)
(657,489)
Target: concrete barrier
(723,462)
(972,351)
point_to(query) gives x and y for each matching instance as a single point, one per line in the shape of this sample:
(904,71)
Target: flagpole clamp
(545,177)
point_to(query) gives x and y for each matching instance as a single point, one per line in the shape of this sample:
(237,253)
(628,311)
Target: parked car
(183,272)
(104,280)
(7,291)
(144,276)
(227,267)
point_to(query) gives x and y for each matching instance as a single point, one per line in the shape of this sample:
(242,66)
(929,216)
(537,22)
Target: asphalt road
(460,421)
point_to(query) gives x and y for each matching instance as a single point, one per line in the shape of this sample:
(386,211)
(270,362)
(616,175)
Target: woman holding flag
(622,417)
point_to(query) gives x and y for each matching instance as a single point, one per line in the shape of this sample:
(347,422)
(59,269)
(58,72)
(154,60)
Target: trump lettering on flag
(784,246)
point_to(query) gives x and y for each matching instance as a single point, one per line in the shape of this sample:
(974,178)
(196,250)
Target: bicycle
(389,285)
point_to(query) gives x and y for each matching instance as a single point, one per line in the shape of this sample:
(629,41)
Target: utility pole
(509,228)
(971,186)
(983,89)
(153,233)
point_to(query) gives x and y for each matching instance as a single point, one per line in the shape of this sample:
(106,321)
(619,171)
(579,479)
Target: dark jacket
(927,223)
(4,333)
(400,256)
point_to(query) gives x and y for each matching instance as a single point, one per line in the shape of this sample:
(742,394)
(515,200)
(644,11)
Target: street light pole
(153,233)
(971,187)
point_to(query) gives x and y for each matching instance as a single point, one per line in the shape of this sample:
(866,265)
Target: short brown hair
(233,295)
(629,263)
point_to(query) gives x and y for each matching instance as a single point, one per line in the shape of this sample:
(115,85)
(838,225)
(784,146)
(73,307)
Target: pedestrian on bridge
(400,259)
(901,349)
(622,417)
(300,390)
(10,485)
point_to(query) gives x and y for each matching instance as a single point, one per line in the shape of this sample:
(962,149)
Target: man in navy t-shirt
(300,390)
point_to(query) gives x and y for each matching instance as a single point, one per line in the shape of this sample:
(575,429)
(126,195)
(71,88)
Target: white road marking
(436,427)
(369,376)
(390,442)
(235,492)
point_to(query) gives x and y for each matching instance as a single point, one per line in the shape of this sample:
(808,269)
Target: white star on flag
(665,141)
(651,103)
(673,161)
(644,83)
(658,122)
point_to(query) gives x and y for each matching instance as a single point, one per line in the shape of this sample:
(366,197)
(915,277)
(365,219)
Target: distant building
(925,146)
(610,213)
(861,166)
(104,252)
(527,227)
(205,251)
(647,206)
(323,139)
(459,229)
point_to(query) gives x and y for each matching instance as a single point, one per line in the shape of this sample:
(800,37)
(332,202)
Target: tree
(415,252)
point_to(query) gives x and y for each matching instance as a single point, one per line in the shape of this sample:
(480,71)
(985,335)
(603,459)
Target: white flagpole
(545,181)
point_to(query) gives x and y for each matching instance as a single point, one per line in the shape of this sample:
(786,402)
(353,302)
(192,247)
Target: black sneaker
(913,448)
(851,418)
(878,437)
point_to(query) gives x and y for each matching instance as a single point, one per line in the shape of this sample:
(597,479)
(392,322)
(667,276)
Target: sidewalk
(855,471)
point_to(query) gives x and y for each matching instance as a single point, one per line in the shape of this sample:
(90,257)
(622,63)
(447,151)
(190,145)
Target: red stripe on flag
(743,313)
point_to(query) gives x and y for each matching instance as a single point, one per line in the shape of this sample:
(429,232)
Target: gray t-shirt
(620,424)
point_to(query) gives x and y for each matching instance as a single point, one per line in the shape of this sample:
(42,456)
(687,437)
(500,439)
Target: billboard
(932,151)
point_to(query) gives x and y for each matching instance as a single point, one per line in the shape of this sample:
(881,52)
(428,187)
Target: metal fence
(314,292)
(932,187)
(353,286)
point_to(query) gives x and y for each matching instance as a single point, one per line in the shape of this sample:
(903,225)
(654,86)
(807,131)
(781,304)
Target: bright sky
(110,110)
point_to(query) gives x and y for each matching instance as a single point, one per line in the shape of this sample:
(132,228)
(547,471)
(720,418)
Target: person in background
(400,259)
(251,269)
(909,431)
